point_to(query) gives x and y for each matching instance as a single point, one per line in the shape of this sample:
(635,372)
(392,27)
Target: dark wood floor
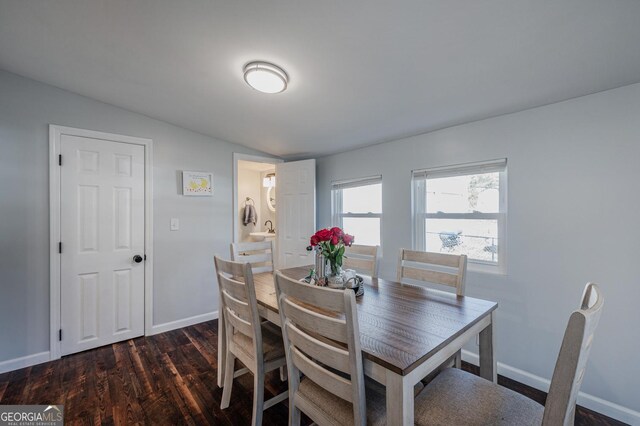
(169,378)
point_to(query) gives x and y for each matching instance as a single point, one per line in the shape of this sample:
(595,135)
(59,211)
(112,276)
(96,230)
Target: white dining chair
(456,397)
(258,254)
(259,346)
(363,259)
(321,337)
(426,268)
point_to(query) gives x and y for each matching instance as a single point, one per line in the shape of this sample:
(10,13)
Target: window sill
(484,268)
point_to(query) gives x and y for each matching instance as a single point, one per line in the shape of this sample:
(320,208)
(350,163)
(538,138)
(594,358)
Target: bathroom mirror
(271,199)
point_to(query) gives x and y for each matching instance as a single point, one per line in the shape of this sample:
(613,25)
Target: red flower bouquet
(331,243)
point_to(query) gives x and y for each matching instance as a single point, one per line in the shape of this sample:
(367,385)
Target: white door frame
(55,135)
(244,157)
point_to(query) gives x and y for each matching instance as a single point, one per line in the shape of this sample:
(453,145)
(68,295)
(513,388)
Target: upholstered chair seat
(456,397)
(271,342)
(337,411)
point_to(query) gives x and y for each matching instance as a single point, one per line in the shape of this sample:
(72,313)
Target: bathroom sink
(261,236)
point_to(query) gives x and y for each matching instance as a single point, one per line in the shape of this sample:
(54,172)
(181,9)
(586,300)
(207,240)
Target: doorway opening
(255,203)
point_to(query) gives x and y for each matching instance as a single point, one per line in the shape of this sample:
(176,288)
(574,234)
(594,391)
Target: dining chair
(258,254)
(321,338)
(363,259)
(435,268)
(259,346)
(458,397)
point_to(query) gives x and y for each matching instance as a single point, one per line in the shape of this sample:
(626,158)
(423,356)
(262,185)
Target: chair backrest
(450,269)
(363,259)
(258,254)
(320,331)
(238,301)
(572,359)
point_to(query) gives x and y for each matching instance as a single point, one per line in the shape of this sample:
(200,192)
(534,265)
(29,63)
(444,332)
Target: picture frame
(197,184)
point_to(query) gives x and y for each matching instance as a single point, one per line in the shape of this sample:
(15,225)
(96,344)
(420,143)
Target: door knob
(137,258)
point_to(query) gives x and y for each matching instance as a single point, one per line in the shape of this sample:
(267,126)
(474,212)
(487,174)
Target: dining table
(406,333)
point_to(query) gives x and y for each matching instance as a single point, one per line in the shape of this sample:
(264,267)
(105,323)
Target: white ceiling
(362,71)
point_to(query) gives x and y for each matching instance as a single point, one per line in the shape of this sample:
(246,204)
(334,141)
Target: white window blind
(490,166)
(352,183)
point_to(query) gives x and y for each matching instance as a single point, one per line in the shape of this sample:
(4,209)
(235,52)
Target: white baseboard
(185,322)
(25,361)
(591,402)
(39,358)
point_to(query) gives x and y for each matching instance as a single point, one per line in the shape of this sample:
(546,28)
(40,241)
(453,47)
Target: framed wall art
(197,184)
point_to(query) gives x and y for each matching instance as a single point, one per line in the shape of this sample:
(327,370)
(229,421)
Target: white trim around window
(420,216)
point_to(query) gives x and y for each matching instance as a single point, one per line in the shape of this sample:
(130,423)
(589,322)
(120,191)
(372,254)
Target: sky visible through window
(363,199)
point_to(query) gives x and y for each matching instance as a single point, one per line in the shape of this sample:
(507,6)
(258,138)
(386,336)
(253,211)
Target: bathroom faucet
(270,230)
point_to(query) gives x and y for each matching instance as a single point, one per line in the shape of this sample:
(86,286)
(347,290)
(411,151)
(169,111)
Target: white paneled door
(296,211)
(102,234)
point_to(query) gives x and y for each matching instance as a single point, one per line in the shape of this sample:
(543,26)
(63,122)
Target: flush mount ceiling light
(265,77)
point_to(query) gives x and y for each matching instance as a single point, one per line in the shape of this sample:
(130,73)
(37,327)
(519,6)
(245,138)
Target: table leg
(488,367)
(222,348)
(399,400)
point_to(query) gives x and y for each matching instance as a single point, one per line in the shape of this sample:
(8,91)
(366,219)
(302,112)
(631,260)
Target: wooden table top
(400,325)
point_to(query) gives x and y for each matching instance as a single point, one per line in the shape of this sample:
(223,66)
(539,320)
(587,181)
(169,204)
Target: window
(357,208)
(462,210)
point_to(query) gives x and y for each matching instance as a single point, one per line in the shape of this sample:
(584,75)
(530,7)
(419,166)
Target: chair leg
(294,413)
(283,373)
(457,359)
(258,398)
(228,380)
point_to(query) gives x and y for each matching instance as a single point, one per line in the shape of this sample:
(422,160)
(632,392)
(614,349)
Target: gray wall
(184,283)
(573,212)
